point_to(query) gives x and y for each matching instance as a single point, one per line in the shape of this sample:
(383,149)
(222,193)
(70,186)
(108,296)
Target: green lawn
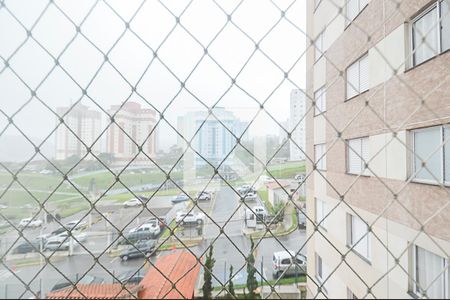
(287,170)
(106,179)
(37,182)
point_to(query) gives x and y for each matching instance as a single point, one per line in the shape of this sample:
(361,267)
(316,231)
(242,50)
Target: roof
(284,254)
(180,268)
(95,291)
(277,185)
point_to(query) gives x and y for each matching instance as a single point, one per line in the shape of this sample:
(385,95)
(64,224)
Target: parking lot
(230,247)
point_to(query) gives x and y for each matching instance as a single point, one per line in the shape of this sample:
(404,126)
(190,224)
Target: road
(230,247)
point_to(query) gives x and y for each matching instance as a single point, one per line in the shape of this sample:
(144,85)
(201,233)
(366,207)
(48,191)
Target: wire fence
(216,209)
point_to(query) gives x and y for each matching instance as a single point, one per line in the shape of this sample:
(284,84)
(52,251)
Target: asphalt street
(230,246)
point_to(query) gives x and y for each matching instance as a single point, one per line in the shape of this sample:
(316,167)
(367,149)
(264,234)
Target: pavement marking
(114,259)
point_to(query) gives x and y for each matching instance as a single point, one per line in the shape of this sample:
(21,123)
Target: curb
(17,264)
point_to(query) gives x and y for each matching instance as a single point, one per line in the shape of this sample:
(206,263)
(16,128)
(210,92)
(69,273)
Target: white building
(133,128)
(297,125)
(213,141)
(82,126)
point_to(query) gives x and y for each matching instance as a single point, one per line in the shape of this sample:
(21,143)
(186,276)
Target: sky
(157,80)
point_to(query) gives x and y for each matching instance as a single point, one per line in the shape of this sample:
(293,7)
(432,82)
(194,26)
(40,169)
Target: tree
(207,277)
(231,294)
(278,211)
(252,283)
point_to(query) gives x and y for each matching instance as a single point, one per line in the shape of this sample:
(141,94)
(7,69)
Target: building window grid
(358,154)
(319,48)
(436,5)
(322,211)
(359,7)
(444,160)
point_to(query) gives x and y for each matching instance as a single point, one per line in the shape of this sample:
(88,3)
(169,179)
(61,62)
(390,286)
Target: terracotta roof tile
(95,291)
(180,268)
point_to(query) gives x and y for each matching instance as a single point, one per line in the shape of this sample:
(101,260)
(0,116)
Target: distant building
(213,141)
(297,125)
(81,125)
(132,128)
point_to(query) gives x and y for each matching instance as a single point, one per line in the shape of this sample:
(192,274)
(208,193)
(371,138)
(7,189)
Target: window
(320,97)
(322,272)
(358,77)
(322,211)
(319,46)
(428,147)
(320,157)
(358,236)
(357,156)
(353,8)
(431,274)
(431,32)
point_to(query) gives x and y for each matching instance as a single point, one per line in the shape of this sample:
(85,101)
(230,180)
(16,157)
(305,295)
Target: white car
(28,222)
(190,218)
(76,224)
(153,228)
(132,203)
(250,196)
(64,236)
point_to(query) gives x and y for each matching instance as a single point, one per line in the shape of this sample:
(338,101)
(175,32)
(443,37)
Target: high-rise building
(81,125)
(213,141)
(297,122)
(379,137)
(133,127)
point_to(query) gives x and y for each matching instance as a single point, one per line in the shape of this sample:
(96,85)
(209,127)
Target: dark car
(134,237)
(131,277)
(140,249)
(87,279)
(26,247)
(58,231)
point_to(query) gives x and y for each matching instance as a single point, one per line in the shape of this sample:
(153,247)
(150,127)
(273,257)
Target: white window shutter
(362,4)
(365,155)
(353,159)
(364,74)
(353,80)
(324,100)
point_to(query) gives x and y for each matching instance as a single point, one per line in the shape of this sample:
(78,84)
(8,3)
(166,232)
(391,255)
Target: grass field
(287,170)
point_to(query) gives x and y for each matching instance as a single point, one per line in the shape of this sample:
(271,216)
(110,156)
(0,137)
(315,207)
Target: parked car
(58,231)
(27,247)
(132,203)
(56,245)
(299,177)
(251,196)
(2,206)
(180,198)
(78,237)
(153,228)
(282,263)
(76,224)
(244,189)
(189,218)
(301,217)
(140,249)
(154,220)
(86,279)
(131,277)
(134,237)
(28,222)
(203,196)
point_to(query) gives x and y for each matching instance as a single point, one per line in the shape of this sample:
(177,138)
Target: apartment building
(81,128)
(133,130)
(297,125)
(378,73)
(212,136)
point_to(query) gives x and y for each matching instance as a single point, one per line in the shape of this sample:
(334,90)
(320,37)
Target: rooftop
(95,291)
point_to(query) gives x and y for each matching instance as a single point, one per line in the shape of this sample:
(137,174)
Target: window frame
(320,36)
(359,92)
(427,9)
(324,212)
(363,171)
(351,244)
(412,136)
(347,20)
(320,162)
(414,288)
(323,90)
